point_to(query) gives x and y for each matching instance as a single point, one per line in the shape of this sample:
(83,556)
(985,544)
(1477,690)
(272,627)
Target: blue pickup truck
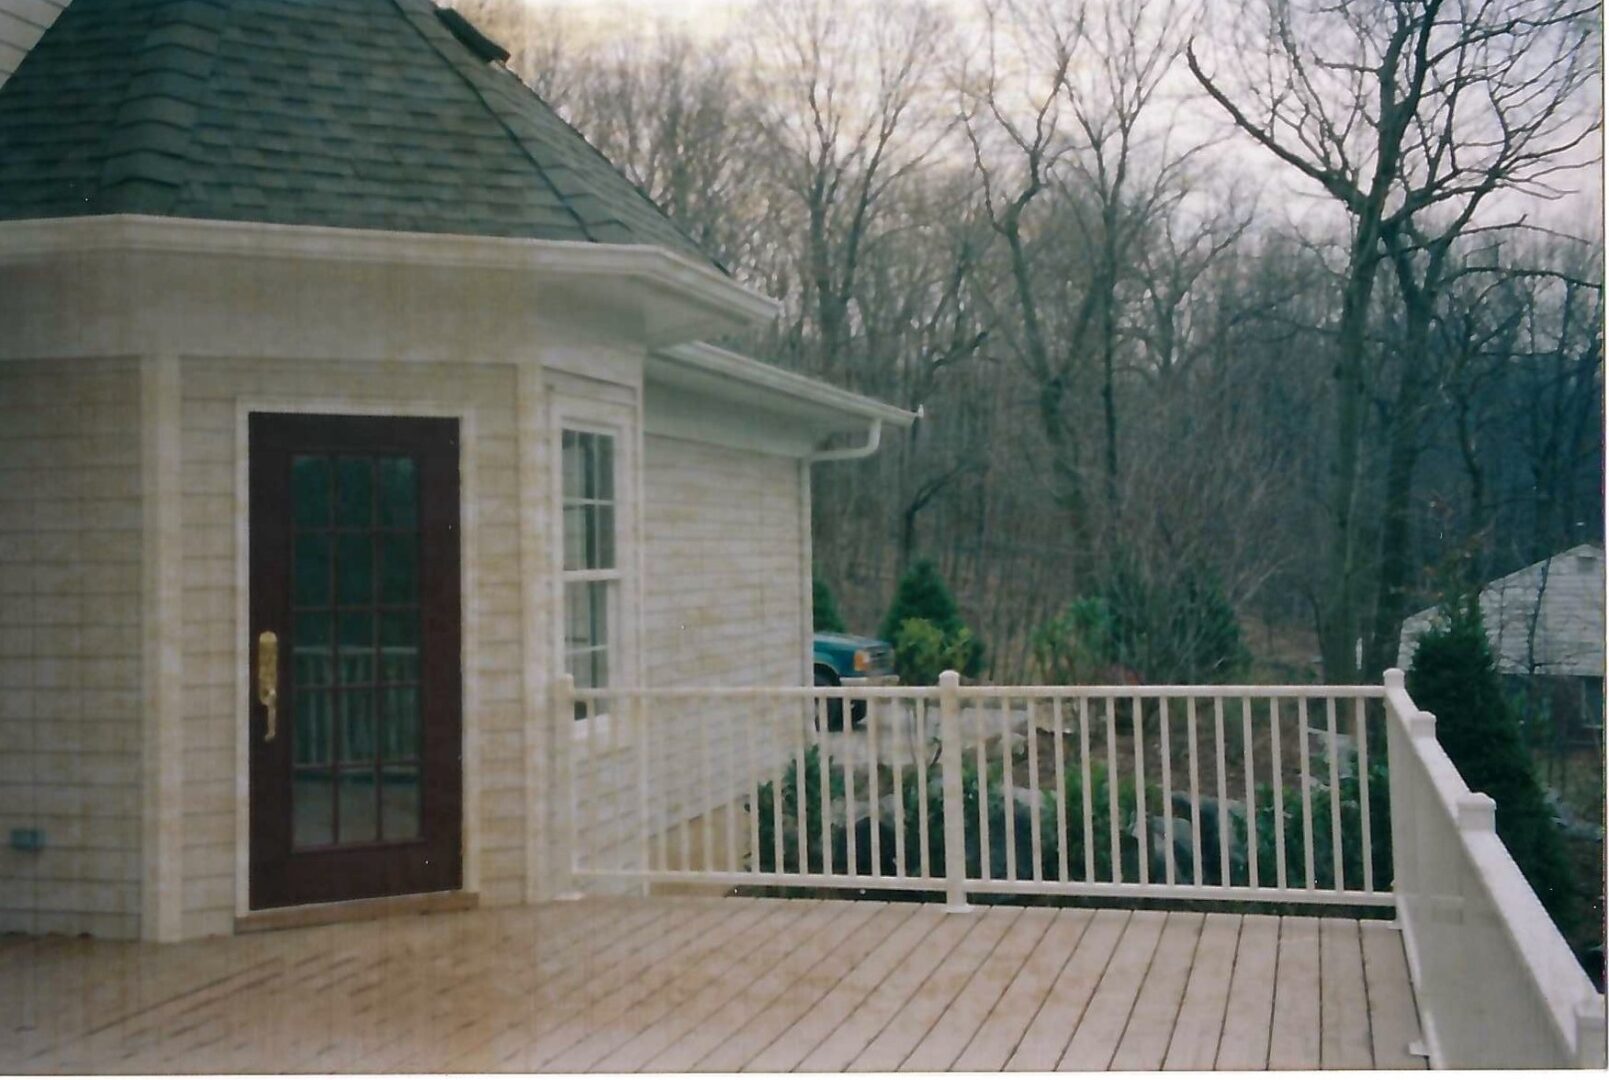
(849,660)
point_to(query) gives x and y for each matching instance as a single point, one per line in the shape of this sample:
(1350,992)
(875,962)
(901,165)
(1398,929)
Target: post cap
(1422,724)
(949,679)
(1477,812)
(1394,678)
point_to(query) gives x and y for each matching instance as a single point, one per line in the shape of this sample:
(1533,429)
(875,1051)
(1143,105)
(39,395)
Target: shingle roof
(365,114)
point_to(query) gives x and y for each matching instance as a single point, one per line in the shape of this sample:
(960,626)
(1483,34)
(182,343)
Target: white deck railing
(1251,793)
(1496,983)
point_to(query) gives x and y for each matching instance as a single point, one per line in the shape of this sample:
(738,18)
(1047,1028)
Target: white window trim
(620,422)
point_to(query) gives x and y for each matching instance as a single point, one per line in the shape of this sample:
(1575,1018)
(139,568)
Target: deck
(697,983)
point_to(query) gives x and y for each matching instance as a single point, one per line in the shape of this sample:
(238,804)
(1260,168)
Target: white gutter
(723,363)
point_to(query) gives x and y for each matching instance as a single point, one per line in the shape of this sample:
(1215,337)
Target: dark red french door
(356,676)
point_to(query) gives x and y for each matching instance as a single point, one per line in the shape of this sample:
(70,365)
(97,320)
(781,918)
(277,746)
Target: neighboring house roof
(1561,596)
(367,114)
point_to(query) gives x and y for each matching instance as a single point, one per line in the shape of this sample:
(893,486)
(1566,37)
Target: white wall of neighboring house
(22,24)
(1544,619)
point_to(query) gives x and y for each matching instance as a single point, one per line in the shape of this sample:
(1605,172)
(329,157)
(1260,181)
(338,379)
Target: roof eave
(689,299)
(786,391)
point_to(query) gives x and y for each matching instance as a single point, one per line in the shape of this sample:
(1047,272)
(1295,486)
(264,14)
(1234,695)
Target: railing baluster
(751,793)
(1165,748)
(594,786)
(1196,876)
(1223,800)
(1036,842)
(1249,772)
(1362,765)
(1088,799)
(1115,826)
(1279,793)
(873,788)
(1307,792)
(1336,839)
(978,714)
(1062,873)
(778,772)
(847,741)
(731,799)
(644,803)
(1008,816)
(920,766)
(1142,819)
(801,802)
(897,746)
(824,780)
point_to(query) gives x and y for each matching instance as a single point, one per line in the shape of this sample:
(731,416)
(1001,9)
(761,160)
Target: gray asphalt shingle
(365,114)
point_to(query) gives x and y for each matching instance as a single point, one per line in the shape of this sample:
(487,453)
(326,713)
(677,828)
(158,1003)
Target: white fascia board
(781,391)
(675,277)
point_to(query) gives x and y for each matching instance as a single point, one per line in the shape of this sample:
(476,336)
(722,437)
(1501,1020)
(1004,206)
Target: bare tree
(1409,116)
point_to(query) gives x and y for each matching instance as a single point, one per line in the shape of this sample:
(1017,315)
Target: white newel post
(567,808)
(955,852)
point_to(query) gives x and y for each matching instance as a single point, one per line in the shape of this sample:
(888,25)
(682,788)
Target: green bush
(1455,677)
(1097,841)
(1077,646)
(823,608)
(922,594)
(922,652)
(1176,630)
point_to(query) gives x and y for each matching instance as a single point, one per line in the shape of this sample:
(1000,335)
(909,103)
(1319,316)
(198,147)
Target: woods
(1267,298)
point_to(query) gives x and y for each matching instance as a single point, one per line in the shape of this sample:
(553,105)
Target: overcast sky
(1581,213)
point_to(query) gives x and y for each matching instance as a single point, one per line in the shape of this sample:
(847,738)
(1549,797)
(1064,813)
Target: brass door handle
(268,680)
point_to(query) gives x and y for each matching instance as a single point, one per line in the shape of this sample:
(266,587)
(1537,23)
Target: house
(1545,622)
(348,397)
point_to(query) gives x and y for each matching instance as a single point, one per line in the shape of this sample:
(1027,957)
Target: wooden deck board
(707,983)
(1295,1037)
(1393,1018)
(1156,1010)
(1248,1014)
(1107,1014)
(1200,1022)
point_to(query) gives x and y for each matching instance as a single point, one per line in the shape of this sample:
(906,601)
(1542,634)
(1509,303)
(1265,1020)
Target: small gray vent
(471,38)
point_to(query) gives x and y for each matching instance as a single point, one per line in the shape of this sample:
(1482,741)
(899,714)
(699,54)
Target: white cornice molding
(734,367)
(41,238)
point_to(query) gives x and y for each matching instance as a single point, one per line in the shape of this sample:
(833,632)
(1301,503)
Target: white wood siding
(1564,598)
(70,646)
(724,586)
(22,24)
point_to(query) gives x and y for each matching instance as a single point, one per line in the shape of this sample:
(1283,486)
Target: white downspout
(874,439)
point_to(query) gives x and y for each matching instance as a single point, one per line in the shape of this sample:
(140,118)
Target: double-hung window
(591,567)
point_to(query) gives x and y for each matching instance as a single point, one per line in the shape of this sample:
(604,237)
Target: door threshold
(379,907)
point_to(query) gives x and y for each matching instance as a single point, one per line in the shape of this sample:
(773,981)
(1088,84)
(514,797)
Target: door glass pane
(604,465)
(310,734)
(356,630)
(354,568)
(311,560)
(399,568)
(399,646)
(357,726)
(310,491)
(313,808)
(604,539)
(359,822)
(399,797)
(354,491)
(400,722)
(399,493)
(310,647)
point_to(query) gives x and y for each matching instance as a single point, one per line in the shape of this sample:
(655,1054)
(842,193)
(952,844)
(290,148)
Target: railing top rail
(976,692)
(1549,963)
